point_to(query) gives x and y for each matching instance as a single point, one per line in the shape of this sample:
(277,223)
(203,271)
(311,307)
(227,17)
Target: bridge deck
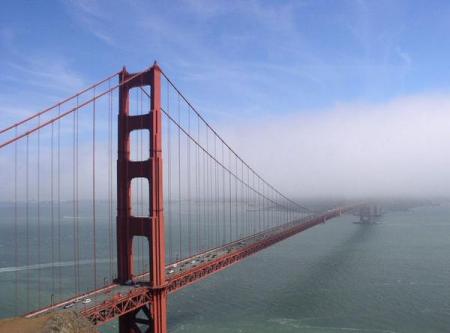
(114,300)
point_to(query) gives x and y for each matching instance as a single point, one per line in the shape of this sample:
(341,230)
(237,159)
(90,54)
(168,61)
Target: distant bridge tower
(151,227)
(369,214)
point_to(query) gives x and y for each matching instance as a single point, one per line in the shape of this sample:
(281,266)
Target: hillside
(67,322)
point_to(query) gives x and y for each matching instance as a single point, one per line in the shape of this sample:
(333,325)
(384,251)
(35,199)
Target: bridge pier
(151,227)
(127,323)
(159,311)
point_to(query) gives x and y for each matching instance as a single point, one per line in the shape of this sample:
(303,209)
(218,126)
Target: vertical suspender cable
(229,193)
(94,249)
(247,231)
(205,178)
(242,200)
(235,198)
(73,204)
(255,198)
(189,178)
(16,251)
(207,193)
(216,206)
(52,208)
(258,198)
(211,199)
(224,218)
(273,207)
(180,250)
(197,185)
(59,206)
(39,209)
(77,219)
(249,221)
(263,206)
(27,210)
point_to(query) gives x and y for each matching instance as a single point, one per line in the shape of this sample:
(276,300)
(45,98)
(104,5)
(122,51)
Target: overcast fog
(399,148)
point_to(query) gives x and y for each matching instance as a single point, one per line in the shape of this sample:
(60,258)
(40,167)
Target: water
(337,277)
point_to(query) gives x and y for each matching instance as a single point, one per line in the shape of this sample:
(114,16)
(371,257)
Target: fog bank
(399,148)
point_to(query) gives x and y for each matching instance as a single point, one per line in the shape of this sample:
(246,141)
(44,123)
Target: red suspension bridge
(110,231)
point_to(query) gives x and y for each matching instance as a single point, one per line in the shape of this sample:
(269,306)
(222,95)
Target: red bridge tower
(128,225)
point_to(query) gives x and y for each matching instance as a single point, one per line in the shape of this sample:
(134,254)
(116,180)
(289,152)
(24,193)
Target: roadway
(116,293)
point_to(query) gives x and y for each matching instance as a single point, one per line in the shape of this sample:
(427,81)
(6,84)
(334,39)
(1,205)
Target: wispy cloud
(54,74)
(91,15)
(405,57)
(32,81)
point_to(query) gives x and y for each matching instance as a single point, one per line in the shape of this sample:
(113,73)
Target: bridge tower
(129,226)
(369,214)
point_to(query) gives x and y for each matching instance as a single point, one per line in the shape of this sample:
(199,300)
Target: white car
(86,301)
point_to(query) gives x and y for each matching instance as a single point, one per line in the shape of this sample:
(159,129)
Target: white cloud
(399,148)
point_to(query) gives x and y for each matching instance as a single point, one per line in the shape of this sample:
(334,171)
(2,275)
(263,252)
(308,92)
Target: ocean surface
(338,277)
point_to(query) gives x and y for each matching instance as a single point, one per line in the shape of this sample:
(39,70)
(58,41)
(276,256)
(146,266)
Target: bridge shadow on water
(279,291)
(313,288)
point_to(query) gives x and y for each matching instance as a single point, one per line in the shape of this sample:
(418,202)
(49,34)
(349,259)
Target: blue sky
(352,95)
(230,57)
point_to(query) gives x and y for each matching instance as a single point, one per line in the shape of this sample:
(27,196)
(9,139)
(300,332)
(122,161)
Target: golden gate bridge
(110,231)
